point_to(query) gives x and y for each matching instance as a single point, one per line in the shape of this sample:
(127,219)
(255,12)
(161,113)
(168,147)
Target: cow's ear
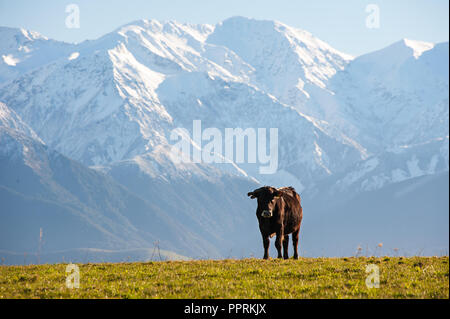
(277,194)
(251,195)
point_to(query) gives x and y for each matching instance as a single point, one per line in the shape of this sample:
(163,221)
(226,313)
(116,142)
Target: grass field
(400,277)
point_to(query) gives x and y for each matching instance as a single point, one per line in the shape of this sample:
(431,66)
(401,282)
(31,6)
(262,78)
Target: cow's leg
(285,246)
(278,241)
(295,236)
(266,243)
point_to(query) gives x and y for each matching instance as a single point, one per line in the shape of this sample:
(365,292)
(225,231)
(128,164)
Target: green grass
(400,277)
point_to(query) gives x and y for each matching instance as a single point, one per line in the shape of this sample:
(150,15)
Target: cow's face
(267,197)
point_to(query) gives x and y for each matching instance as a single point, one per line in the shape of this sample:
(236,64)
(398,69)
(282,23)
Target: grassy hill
(400,277)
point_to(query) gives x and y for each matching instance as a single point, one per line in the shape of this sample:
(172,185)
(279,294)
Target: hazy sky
(342,24)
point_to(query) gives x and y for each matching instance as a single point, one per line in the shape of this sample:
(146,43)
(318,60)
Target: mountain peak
(21,32)
(418,47)
(17,37)
(395,54)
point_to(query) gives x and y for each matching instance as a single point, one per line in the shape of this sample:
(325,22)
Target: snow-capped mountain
(125,92)
(395,96)
(287,63)
(346,126)
(23,50)
(397,165)
(392,166)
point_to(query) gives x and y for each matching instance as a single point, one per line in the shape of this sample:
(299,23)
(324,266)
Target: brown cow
(279,213)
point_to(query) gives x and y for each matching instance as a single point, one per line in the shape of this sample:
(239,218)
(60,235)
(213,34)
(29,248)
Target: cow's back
(293,212)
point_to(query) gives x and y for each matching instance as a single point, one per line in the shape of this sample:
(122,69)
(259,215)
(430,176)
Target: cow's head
(267,197)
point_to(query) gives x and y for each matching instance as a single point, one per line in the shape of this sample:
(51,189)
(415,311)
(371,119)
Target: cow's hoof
(296,257)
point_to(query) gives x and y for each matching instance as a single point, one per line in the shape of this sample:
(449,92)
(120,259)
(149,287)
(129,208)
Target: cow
(279,213)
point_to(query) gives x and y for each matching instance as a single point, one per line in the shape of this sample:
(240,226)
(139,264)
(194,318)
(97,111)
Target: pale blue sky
(339,23)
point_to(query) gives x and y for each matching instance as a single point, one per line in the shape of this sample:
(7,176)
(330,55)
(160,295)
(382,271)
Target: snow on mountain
(105,95)
(23,50)
(391,57)
(288,62)
(10,119)
(397,165)
(378,172)
(147,77)
(305,150)
(124,93)
(418,47)
(395,96)
(171,47)
(64,97)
